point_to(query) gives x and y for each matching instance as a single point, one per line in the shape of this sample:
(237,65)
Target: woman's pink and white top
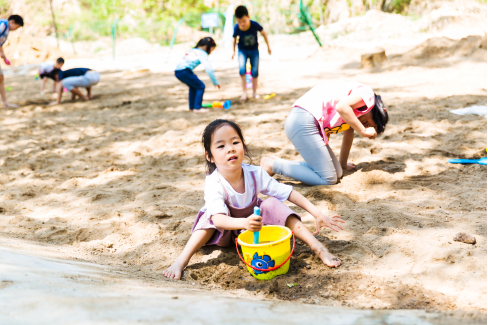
(321,102)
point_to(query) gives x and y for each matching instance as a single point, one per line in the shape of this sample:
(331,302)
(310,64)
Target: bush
(397,6)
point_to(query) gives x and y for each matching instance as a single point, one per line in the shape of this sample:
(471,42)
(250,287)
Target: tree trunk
(54,22)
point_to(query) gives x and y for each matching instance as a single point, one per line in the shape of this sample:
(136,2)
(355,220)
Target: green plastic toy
(217,104)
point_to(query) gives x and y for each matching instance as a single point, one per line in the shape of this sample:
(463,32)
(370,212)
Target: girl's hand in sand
(217,87)
(269,50)
(254,223)
(328,221)
(369,133)
(53,103)
(350,166)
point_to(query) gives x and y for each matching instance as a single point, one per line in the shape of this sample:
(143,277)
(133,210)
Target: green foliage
(399,5)
(159,10)
(108,9)
(40,13)
(153,20)
(4,6)
(415,17)
(277,17)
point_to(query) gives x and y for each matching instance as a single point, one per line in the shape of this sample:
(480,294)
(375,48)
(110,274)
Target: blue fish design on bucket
(262,262)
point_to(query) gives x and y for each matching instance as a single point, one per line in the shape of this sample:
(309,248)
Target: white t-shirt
(214,194)
(330,93)
(46,67)
(321,101)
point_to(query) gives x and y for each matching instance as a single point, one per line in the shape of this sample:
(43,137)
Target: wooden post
(373,58)
(54,23)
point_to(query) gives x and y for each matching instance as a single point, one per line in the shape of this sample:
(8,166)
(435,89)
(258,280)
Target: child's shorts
(87,80)
(273,212)
(253,56)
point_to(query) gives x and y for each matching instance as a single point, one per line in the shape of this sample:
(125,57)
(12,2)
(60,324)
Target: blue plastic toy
(255,238)
(481,161)
(262,262)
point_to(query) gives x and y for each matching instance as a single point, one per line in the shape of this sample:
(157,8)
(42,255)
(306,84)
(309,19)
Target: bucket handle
(271,268)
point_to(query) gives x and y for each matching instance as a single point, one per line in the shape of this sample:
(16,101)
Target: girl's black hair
(207,140)
(208,42)
(380,115)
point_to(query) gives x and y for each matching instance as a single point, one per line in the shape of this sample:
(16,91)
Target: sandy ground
(84,293)
(119,180)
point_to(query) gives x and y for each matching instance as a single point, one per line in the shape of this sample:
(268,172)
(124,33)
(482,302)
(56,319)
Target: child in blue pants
(247,30)
(184,72)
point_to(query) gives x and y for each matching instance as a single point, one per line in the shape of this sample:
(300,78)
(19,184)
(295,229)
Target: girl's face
(227,149)
(212,49)
(367,120)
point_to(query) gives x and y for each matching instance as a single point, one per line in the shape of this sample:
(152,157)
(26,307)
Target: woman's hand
(350,166)
(328,221)
(254,223)
(369,133)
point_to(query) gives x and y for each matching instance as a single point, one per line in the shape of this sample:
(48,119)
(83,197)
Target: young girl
(184,72)
(231,193)
(329,108)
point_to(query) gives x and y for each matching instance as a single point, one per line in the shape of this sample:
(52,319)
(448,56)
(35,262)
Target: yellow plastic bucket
(269,258)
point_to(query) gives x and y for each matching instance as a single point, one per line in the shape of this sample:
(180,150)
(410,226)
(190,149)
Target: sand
(24,49)
(119,180)
(85,293)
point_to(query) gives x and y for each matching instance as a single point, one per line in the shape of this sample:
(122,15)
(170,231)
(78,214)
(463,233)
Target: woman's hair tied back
(380,114)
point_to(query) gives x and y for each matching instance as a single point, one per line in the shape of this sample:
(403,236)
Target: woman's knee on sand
(339,173)
(318,174)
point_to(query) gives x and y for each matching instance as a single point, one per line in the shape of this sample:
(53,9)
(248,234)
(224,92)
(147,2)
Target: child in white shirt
(49,69)
(231,190)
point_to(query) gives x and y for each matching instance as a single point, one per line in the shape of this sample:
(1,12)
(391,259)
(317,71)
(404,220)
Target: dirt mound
(119,181)
(443,47)
(22,49)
